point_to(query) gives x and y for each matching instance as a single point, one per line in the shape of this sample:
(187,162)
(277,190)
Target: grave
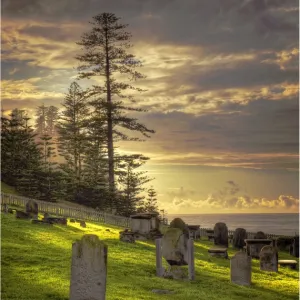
(221,234)
(218,252)
(294,247)
(238,239)
(145,226)
(268,259)
(88,269)
(22,215)
(32,208)
(194,231)
(40,222)
(210,234)
(288,263)
(55,220)
(127,236)
(240,269)
(253,246)
(82,224)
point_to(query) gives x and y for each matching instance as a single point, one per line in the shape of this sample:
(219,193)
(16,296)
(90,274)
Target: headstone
(89,268)
(238,238)
(174,247)
(260,235)
(32,208)
(82,224)
(127,236)
(46,215)
(240,269)
(221,234)
(22,215)
(294,247)
(255,249)
(268,259)
(191,259)
(179,223)
(159,268)
(5,208)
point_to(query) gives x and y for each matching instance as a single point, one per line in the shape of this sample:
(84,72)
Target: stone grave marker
(268,259)
(32,208)
(239,236)
(240,269)
(89,268)
(221,234)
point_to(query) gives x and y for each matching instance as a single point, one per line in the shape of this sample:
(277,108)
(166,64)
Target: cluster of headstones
(31,212)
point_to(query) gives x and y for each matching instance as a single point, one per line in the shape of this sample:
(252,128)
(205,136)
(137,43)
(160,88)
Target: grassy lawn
(36,263)
(5,188)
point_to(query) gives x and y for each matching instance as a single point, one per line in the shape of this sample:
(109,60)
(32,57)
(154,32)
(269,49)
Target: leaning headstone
(221,234)
(89,268)
(268,259)
(238,238)
(240,269)
(32,208)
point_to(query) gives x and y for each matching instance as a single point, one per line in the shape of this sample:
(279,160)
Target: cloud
(229,198)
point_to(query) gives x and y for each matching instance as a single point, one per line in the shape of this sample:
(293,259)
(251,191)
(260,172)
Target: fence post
(191,260)
(158,252)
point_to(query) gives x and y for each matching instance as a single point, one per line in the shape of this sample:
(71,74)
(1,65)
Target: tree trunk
(111,174)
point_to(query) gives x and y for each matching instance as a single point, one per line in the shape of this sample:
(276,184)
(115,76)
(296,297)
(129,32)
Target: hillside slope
(36,262)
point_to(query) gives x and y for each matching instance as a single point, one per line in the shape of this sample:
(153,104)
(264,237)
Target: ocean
(280,224)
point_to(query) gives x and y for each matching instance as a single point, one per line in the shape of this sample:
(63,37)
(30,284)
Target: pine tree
(48,174)
(40,123)
(72,129)
(150,205)
(20,155)
(131,183)
(105,55)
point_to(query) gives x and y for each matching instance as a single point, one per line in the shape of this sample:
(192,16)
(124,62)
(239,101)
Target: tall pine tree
(105,55)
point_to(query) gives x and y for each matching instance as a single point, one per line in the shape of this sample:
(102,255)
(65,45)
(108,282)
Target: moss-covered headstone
(89,268)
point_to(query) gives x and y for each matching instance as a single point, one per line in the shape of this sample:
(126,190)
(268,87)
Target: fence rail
(250,235)
(86,214)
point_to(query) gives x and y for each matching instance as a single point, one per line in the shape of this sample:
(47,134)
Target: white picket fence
(86,214)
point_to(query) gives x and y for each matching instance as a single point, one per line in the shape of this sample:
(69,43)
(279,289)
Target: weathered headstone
(238,238)
(82,224)
(221,234)
(255,249)
(268,259)
(174,247)
(158,254)
(32,208)
(179,223)
(89,268)
(127,236)
(240,269)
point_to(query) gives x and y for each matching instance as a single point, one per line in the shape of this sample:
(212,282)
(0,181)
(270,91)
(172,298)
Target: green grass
(36,264)
(5,188)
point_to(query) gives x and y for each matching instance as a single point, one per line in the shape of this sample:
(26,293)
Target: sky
(222,91)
